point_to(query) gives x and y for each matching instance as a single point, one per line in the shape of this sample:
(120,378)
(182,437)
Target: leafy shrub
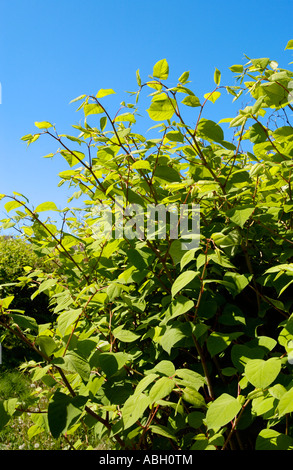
(156,344)
(17,258)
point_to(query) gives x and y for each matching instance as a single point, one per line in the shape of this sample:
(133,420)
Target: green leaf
(133,409)
(240,215)
(184,77)
(163,368)
(289,44)
(125,117)
(126,336)
(46,344)
(138,79)
(209,130)
(144,383)
(236,68)
(217,76)
(25,322)
(76,363)
(46,206)
(192,396)
(162,431)
(104,92)
(161,107)
(269,439)
(175,136)
(63,412)
(178,306)
(9,206)
(43,125)
(218,342)
(212,96)
(191,101)
(261,373)
(7,408)
(171,337)
(167,173)
(111,362)
(161,69)
(162,388)
(182,281)
(222,411)
(141,165)
(190,378)
(92,108)
(285,405)
(66,319)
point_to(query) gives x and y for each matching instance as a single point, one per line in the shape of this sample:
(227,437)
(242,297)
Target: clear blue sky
(51,52)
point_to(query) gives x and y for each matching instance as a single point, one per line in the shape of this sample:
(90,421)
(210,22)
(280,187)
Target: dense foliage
(16,258)
(153,344)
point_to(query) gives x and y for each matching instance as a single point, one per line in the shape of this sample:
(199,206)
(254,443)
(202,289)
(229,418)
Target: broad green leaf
(133,409)
(241,354)
(222,411)
(212,96)
(175,136)
(4,303)
(182,281)
(46,344)
(190,378)
(269,439)
(240,215)
(187,257)
(161,107)
(218,342)
(193,397)
(141,165)
(195,419)
(12,205)
(92,108)
(285,405)
(63,412)
(171,337)
(167,173)
(43,125)
(191,101)
(164,367)
(261,373)
(209,130)
(66,319)
(46,206)
(76,363)
(125,117)
(161,69)
(104,92)
(162,431)
(177,307)
(7,408)
(144,383)
(162,388)
(111,362)
(237,282)
(126,336)
(25,322)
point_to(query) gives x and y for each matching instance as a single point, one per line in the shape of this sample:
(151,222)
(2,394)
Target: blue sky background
(51,52)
